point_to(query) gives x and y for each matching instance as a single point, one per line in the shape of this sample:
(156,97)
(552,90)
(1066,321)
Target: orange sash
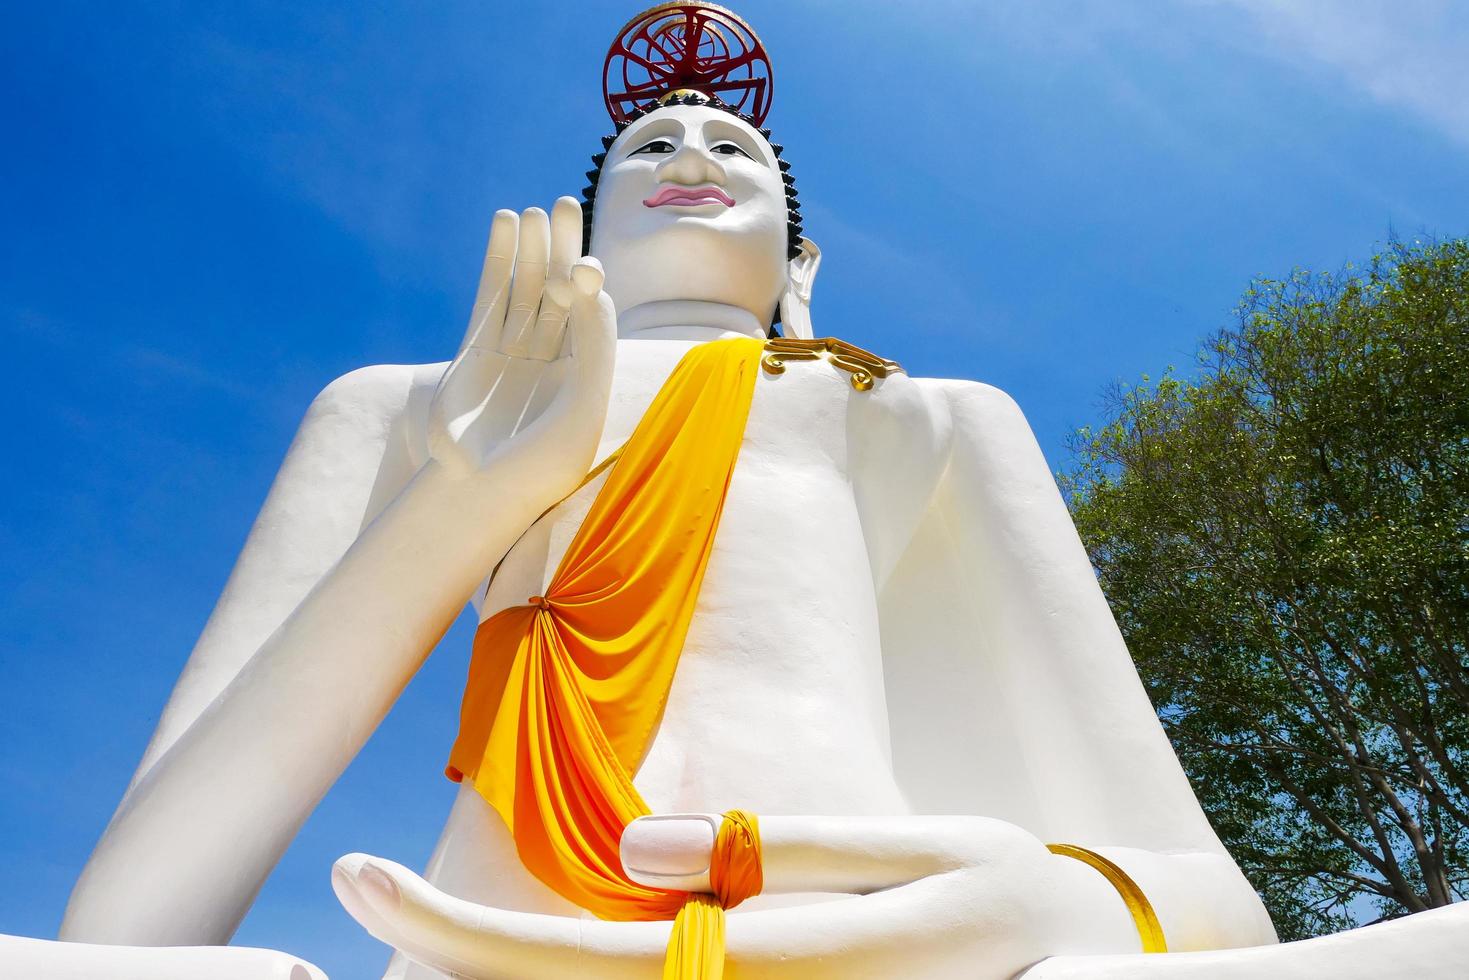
(564,692)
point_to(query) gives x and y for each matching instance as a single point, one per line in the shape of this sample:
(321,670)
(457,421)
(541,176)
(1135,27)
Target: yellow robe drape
(564,692)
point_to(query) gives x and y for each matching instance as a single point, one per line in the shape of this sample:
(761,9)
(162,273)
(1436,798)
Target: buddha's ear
(795,302)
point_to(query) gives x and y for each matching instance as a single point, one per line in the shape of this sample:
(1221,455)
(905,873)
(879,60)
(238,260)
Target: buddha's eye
(729,150)
(656,146)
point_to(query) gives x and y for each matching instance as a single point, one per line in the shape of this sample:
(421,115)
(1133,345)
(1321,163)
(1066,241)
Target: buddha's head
(692,201)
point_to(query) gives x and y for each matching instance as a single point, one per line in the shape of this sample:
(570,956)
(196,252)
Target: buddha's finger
(487,317)
(351,893)
(565,248)
(593,331)
(528,282)
(852,855)
(466,939)
(363,891)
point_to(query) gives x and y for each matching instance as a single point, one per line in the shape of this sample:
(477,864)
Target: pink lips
(689,196)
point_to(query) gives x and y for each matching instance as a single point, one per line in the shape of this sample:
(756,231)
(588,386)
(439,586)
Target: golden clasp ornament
(864,366)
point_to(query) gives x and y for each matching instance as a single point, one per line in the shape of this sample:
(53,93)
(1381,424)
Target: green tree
(1284,539)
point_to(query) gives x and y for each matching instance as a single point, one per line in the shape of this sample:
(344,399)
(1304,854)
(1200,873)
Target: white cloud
(1409,54)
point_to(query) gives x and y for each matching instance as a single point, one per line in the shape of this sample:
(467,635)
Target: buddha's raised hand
(528,389)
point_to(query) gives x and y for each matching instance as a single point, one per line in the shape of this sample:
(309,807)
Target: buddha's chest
(798,418)
(783,644)
(794,503)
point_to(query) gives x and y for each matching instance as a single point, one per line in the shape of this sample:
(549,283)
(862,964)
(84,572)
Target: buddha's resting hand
(528,389)
(934,897)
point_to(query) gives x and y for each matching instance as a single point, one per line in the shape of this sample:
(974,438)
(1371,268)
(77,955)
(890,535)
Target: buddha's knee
(984,843)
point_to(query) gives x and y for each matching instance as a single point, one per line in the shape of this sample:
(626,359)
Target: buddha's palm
(526,396)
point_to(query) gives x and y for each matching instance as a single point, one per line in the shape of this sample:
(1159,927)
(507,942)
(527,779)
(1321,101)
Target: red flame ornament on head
(696,46)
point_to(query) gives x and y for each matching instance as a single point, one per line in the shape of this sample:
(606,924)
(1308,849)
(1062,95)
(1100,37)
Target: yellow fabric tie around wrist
(696,947)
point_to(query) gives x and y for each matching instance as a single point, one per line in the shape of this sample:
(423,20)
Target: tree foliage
(1284,539)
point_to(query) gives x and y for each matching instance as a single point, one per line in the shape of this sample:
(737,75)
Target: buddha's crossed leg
(932,896)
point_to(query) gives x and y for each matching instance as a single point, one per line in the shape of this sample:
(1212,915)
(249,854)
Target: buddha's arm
(192,844)
(350,455)
(508,433)
(1094,751)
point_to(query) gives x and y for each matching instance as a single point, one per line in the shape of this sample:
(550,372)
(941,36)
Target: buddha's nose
(691,165)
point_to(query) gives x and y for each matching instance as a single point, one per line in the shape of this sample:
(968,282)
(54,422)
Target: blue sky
(212,209)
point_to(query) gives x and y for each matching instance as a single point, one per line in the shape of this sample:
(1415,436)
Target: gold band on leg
(1149,929)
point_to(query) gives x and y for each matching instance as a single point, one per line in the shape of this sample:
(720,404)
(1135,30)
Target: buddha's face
(691,206)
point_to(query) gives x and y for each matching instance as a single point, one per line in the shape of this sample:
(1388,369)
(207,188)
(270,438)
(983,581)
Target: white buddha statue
(899,656)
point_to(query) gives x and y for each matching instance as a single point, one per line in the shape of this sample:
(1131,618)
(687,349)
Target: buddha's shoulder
(963,389)
(973,405)
(868,369)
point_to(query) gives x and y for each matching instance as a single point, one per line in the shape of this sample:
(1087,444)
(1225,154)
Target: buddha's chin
(692,258)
